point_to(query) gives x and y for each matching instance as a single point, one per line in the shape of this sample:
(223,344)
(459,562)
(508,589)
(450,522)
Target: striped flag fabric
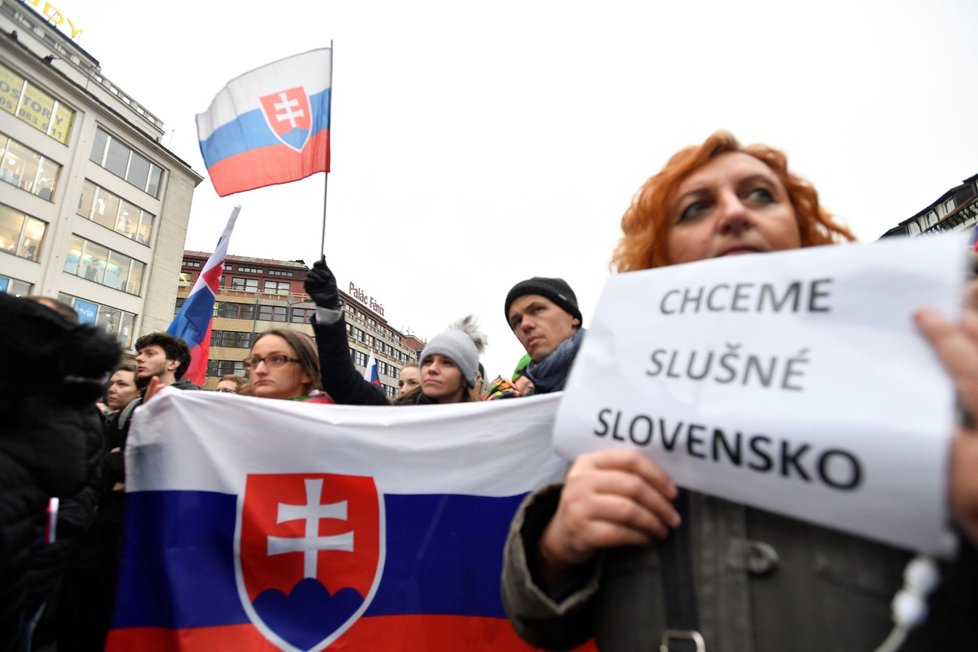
(196,316)
(270,125)
(370,372)
(262,524)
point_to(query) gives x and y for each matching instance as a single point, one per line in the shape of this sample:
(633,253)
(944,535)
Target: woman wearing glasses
(284,364)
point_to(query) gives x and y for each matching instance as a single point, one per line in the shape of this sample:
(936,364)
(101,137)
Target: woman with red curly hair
(648,223)
(619,554)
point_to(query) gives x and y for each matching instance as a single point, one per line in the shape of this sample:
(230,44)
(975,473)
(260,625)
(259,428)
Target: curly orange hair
(646,222)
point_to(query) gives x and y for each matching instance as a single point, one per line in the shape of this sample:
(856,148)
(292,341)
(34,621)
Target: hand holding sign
(957,347)
(610,498)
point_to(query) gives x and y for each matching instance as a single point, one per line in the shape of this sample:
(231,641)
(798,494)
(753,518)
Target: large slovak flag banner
(270,125)
(196,316)
(256,524)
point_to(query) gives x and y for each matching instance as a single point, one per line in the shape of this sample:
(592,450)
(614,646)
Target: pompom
(468,326)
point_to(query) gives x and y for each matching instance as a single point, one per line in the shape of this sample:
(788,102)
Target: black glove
(321,286)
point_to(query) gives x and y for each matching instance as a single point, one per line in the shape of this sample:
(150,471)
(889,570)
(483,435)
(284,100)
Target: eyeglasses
(271,361)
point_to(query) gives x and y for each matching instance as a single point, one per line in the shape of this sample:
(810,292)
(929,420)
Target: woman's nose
(733,217)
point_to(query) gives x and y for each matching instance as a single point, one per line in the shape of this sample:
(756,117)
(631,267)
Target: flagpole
(329,112)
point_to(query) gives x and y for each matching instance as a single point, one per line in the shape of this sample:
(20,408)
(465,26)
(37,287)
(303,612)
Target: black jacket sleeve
(340,378)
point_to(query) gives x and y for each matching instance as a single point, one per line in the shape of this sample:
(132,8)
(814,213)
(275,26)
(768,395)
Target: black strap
(677,572)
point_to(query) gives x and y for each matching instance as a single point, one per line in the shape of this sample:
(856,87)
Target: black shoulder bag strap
(682,621)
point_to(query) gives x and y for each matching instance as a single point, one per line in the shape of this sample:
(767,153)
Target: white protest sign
(795,382)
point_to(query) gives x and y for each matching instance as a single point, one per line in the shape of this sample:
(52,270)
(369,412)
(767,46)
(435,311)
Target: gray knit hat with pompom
(461,343)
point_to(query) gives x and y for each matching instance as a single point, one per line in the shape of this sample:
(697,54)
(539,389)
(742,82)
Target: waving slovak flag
(270,125)
(193,322)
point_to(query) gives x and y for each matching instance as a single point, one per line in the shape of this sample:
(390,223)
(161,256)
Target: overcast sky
(475,144)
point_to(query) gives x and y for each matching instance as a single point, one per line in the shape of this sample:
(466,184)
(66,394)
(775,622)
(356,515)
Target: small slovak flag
(370,373)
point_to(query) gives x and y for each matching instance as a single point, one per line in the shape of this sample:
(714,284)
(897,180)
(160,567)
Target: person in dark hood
(161,360)
(49,418)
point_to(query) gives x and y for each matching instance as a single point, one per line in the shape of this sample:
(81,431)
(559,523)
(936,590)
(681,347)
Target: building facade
(93,208)
(257,294)
(955,210)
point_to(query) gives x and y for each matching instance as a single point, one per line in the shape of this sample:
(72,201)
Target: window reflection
(116,321)
(117,158)
(138,172)
(109,210)
(20,235)
(124,162)
(117,271)
(102,265)
(106,209)
(135,277)
(28,170)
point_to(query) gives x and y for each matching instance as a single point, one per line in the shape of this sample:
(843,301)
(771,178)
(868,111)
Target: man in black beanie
(544,316)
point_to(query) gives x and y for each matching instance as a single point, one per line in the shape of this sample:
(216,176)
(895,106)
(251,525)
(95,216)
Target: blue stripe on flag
(251,131)
(444,556)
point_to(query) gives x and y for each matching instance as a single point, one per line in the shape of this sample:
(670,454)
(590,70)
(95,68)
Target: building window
(26,169)
(279,272)
(15,287)
(302,315)
(359,358)
(233,310)
(20,234)
(244,284)
(276,287)
(121,160)
(273,313)
(33,106)
(225,368)
(191,263)
(111,211)
(232,339)
(249,270)
(949,206)
(118,322)
(104,266)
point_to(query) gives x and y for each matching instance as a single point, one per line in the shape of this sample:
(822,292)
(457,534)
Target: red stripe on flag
(369,633)
(199,355)
(268,166)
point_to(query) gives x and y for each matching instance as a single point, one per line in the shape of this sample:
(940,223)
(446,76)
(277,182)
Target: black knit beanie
(555,289)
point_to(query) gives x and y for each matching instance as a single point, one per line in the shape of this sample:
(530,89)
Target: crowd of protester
(597,556)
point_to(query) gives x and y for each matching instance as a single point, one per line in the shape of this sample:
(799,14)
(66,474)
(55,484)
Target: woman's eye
(761,195)
(693,211)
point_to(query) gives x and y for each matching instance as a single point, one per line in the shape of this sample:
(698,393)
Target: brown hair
(174,348)
(646,222)
(305,351)
(234,378)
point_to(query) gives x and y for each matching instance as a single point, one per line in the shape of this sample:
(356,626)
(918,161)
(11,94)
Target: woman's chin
(273,392)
